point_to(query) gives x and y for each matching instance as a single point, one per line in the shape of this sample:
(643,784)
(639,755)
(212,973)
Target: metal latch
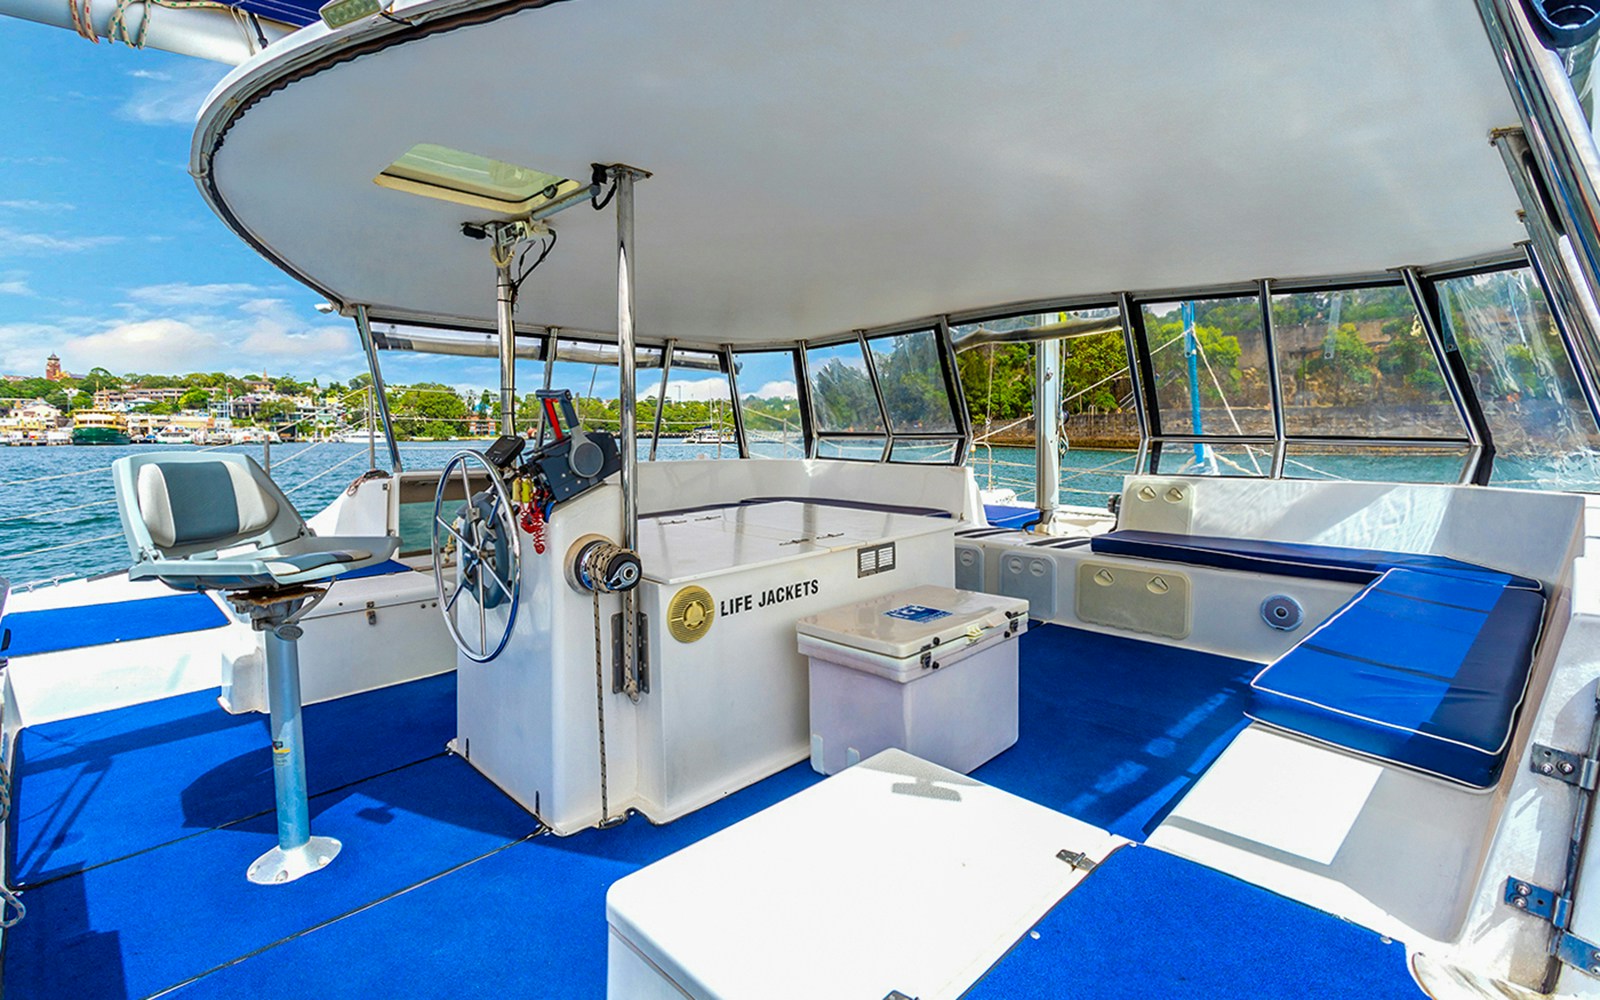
(1565,765)
(1556,910)
(897,995)
(1077,859)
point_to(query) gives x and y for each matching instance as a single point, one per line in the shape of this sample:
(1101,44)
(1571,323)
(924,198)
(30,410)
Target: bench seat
(1425,667)
(1400,675)
(1298,559)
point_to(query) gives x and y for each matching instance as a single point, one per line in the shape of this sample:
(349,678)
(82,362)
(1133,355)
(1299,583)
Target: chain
(600,709)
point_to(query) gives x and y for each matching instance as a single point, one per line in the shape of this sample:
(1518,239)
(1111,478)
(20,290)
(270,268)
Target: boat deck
(131,831)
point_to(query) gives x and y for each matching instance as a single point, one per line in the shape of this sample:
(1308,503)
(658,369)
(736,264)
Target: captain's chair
(217,522)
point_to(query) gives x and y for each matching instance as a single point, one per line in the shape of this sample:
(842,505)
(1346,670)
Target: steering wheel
(483,533)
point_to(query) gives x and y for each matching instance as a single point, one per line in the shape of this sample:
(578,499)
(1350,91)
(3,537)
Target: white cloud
(147,74)
(32,205)
(254,334)
(14,283)
(783,389)
(170,99)
(16,241)
(701,390)
(191,296)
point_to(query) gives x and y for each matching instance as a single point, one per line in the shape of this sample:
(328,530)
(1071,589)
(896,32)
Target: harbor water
(58,515)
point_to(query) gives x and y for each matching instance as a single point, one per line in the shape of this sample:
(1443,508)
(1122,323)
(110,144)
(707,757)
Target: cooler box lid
(905,623)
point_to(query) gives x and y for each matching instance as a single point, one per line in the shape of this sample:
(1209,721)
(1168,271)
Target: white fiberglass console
(725,690)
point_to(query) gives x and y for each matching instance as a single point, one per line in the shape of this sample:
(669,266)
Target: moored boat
(100,427)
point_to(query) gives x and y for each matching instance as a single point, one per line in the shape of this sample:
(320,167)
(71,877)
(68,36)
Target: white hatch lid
(905,622)
(894,874)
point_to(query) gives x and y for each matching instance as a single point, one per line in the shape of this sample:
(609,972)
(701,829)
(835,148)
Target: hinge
(1556,910)
(1078,860)
(1564,765)
(1536,901)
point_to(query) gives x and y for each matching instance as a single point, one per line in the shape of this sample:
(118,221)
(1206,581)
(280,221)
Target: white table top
(681,548)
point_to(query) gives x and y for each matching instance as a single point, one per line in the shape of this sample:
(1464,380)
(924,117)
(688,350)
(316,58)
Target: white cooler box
(930,670)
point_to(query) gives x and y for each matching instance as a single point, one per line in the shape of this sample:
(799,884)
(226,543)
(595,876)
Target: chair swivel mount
(216,521)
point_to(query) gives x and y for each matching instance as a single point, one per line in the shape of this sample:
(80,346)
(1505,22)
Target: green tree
(195,399)
(1349,365)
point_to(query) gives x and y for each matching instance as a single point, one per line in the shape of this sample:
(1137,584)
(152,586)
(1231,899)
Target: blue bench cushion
(1422,668)
(1006,516)
(1321,562)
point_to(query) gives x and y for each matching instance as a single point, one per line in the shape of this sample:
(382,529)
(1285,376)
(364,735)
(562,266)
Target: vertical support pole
(266,452)
(1135,378)
(1556,130)
(624,178)
(808,414)
(952,384)
(298,853)
(730,368)
(380,394)
(505,324)
(1479,466)
(877,390)
(1047,430)
(372,434)
(1555,264)
(1191,354)
(661,396)
(1280,448)
(288,744)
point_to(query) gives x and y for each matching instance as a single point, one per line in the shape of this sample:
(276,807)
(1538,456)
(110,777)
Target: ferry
(100,427)
(1306,707)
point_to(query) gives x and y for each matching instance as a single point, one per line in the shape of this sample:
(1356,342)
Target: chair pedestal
(298,853)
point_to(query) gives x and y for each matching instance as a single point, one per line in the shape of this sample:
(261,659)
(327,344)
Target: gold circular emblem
(689,614)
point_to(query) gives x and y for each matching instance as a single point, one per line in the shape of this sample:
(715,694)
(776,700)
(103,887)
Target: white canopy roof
(831,165)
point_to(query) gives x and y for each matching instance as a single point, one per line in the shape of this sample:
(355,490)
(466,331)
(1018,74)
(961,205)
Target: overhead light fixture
(338,13)
(435,171)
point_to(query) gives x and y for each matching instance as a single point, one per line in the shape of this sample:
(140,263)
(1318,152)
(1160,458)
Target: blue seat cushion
(1423,668)
(1298,559)
(1007,516)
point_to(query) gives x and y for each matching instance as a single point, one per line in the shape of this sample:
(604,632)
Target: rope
(56,510)
(83,21)
(1226,406)
(57,548)
(84,472)
(324,472)
(600,710)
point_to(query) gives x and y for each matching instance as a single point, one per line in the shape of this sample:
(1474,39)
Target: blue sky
(109,257)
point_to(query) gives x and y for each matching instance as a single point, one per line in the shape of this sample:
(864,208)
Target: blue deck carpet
(95,789)
(158,918)
(1113,730)
(51,630)
(1147,924)
(528,921)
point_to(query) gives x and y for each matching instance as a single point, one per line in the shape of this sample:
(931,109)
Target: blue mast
(1191,352)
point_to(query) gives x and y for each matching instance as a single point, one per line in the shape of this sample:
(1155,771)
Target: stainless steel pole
(380,395)
(372,434)
(1555,263)
(661,396)
(1558,137)
(1047,429)
(505,301)
(625,359)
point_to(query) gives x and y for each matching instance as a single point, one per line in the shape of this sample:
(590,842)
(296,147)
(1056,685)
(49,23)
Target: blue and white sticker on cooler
(917,613)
